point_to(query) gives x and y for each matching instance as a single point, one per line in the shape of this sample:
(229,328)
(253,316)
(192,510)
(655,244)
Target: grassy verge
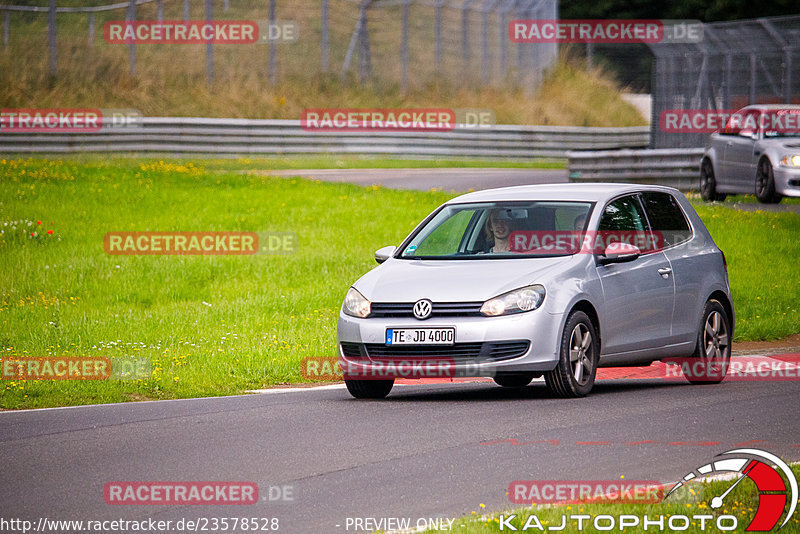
(751,199)
(222,325)
(98,75)
(691,500)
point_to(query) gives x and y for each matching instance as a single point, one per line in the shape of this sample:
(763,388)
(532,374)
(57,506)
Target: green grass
(690,500)
(223,325)
(751,199)
(761,248)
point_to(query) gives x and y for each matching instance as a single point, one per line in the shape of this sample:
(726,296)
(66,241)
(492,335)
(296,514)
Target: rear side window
(666,217)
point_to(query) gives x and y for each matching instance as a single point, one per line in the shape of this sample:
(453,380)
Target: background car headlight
(355,304)
(791,161)
(520,300)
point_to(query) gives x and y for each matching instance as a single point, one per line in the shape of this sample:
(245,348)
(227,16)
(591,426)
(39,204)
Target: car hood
(781,143)
(455,280)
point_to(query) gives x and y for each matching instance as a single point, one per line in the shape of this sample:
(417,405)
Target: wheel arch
(710,156)
(723,299)
(588,308)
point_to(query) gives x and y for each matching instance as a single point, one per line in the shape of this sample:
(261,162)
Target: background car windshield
(481,230)
(782,123)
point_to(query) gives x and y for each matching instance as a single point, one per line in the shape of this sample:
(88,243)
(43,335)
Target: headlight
(355,304)
(520,300)
(791,161)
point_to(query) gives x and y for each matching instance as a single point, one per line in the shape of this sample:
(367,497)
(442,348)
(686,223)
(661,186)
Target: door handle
(664,272)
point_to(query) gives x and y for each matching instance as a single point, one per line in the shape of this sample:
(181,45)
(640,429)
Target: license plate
(421,336)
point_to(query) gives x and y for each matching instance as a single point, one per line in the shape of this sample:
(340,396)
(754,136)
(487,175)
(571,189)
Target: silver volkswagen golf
(553,280)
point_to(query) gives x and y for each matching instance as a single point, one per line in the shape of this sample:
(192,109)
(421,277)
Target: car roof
(772,107)
(594,192)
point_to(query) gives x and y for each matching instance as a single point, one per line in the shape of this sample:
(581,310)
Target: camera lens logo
(757,465)
(423,309)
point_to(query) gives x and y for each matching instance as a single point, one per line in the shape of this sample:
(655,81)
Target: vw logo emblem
(423,309)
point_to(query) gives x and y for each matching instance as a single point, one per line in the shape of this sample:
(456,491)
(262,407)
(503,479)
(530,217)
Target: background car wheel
(765,183)
(516,380)
(577,364)
(708,183)
(713,345)
(369,389)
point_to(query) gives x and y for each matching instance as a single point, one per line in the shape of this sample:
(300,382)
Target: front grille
(351,350)
(439,309)
(459,350)
(459,353)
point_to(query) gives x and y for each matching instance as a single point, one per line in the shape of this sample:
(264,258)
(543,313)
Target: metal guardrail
(229,137)
(679,167)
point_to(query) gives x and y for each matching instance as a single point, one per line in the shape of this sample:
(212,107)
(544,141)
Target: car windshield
(781,123)
(488,230)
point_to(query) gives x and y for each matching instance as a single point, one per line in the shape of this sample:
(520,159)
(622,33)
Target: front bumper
(787,181)
(484,346)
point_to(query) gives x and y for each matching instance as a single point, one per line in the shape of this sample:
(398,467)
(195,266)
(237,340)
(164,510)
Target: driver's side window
(623,214)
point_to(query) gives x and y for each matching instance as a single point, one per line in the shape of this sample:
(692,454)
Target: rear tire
(765,183)
(713,344)
(516,380)
(577,363)
(708,183)
(369,389)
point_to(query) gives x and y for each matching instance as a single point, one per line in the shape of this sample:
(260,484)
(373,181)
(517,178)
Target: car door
(674,238)
(636,313)
(739,154)
(721,173)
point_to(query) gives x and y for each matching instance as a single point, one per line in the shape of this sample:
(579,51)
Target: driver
(499,226)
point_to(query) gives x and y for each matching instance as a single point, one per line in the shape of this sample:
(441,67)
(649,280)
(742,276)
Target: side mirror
(383,254)
(619,253)
(750,134)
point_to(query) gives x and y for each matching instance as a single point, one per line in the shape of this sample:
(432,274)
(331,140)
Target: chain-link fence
(735,64)
(407,43)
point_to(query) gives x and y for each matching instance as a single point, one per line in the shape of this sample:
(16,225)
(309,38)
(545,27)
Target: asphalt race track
(457,179)
(424,452)
(464,179)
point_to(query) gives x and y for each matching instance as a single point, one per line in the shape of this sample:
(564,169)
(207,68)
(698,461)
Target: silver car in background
(453,290)
(757,153)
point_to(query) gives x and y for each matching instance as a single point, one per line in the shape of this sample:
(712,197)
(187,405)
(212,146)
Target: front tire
(708,183)
(713,345)
(765,183)
(369,389)
(577,364)
(516,380)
